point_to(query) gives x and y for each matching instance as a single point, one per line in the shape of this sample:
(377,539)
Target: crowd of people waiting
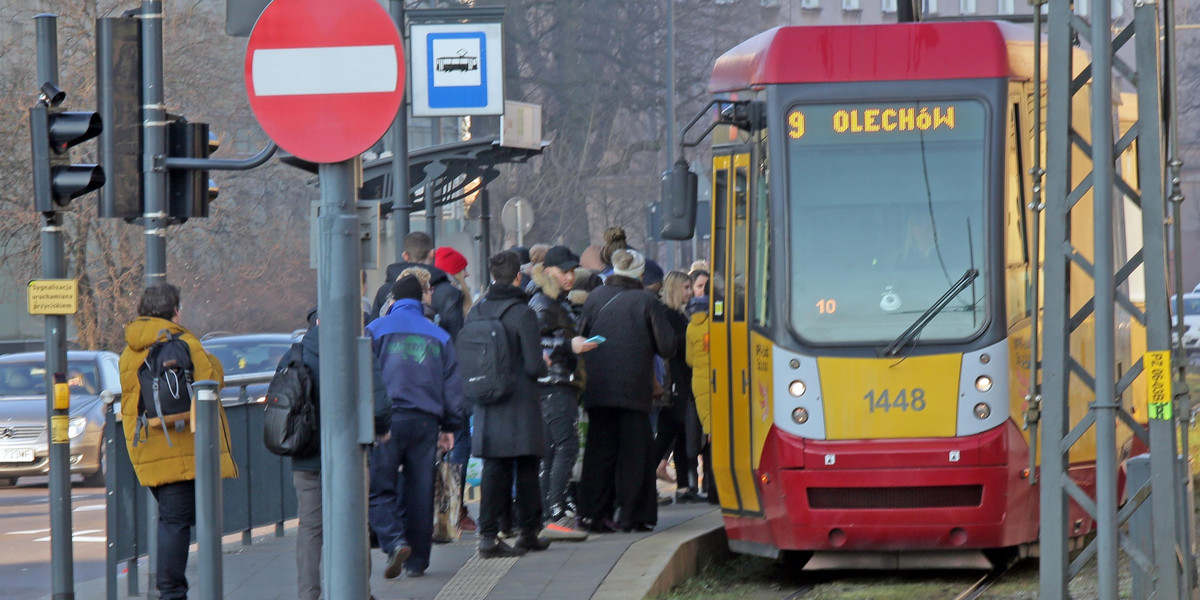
(609,357)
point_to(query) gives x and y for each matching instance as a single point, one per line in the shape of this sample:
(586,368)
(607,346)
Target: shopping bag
(447,501)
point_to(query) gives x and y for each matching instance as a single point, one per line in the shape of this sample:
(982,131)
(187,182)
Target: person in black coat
(561,344)
(447,300)
(306,471)
(619,461)
(508,432)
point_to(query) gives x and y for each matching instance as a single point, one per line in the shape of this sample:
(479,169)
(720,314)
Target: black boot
(529,540)
(494,548)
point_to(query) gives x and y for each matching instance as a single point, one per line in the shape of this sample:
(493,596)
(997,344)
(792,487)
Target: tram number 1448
(902,400)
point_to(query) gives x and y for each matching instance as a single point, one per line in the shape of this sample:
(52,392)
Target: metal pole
(62,575)
(154,143)
(1055,559)
(485,237)
(343,459)
(208,490)
(402,201)
(431,211)
(670,83)
(1105,405)
(674,248)
(519,206)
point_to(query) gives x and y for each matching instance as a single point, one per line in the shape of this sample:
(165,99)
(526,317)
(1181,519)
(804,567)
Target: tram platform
(614,566)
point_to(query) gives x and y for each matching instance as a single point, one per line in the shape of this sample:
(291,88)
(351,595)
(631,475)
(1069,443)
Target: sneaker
(531,541)
(494,548)
(689,496)
(507,534)
(665,499)
(563,530)
(414,573)
(395,561)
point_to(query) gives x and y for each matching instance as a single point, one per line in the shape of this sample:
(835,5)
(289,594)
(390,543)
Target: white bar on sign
(329,70)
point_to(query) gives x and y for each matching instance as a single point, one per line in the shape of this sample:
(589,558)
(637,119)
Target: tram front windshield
(885,215)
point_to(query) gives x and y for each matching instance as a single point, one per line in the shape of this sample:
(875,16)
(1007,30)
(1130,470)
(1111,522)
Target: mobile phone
(596,339)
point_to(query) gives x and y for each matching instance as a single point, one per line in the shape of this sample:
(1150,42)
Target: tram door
(729,335)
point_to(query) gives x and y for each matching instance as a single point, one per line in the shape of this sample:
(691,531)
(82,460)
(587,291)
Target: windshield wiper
(915,329)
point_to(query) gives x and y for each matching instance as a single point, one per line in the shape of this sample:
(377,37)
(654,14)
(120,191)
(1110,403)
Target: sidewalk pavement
(615,566)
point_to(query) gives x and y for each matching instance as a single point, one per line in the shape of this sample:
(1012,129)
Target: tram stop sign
(325,79)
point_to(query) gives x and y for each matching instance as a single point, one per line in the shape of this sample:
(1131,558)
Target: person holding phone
(561,386)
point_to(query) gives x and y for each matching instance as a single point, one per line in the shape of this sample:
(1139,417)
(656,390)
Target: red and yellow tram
(872,291)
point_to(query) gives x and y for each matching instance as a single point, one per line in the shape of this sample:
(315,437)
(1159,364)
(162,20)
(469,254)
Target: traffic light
(188,191)
(54,132)
(119,100)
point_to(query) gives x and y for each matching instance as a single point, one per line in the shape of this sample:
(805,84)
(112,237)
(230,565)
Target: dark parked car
(249,356)
(24,439)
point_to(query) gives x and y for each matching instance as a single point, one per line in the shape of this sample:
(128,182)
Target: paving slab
(612,566)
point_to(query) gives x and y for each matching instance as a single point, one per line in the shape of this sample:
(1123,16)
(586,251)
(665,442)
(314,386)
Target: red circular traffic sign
(325,79)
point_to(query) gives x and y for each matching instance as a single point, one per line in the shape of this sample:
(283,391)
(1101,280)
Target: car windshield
(886,205)
(1191,306)
(249,356)
(29,378)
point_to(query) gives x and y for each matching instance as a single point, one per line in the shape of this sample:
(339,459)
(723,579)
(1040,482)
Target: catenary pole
(62,575)
(401,200)
(343,458)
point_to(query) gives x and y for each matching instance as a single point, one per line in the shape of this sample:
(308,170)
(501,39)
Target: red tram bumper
(873,495)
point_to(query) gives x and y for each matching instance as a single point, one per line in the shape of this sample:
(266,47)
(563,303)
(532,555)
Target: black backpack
(291,426)
(165,379)
(485,358)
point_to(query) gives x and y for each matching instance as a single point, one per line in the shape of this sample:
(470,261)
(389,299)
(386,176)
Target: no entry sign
(325,79)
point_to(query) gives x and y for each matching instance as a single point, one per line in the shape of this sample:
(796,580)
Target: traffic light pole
(154,131)
(62,575)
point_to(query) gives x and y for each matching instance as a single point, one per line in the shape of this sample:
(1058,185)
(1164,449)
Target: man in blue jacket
(420,371)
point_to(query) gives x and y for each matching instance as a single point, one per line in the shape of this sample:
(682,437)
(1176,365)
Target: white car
(1191,322)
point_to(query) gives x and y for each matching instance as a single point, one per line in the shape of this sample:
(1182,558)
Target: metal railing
(261,495)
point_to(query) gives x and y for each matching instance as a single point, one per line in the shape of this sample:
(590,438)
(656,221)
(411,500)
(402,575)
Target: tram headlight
(797,388)
(983,383)
(983,411)
(800,415)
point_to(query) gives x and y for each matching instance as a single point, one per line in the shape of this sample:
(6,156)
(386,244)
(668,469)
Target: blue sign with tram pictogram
(456,65)
(457,69)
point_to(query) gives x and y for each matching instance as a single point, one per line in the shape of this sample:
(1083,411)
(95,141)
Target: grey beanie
(628,263)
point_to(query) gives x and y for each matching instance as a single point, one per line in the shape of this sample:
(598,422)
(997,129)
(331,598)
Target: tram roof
(845,53)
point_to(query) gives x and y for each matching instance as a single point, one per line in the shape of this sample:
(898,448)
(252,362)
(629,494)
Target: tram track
(977,589)
(974,591)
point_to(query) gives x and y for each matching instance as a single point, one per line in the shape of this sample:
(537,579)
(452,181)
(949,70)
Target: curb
(653,566)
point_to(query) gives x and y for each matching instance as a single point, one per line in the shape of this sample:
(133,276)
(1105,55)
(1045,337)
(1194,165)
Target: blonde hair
(421,273)
(676,290)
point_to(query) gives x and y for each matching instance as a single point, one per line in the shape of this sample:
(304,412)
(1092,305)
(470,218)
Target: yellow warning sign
(53,296)
(1158,383)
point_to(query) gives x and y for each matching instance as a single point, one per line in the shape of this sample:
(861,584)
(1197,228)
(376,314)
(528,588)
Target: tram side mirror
(679,202)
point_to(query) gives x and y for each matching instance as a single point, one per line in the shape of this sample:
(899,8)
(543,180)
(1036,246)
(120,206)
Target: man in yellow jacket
(165,462)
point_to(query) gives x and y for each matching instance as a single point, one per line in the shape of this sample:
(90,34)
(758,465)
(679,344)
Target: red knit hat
(449,260)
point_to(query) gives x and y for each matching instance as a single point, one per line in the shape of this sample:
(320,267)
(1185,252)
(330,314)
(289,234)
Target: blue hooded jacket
(420,368)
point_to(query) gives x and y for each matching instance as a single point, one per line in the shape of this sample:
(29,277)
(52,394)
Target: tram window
(720,230)
(762,253)
(741,234)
